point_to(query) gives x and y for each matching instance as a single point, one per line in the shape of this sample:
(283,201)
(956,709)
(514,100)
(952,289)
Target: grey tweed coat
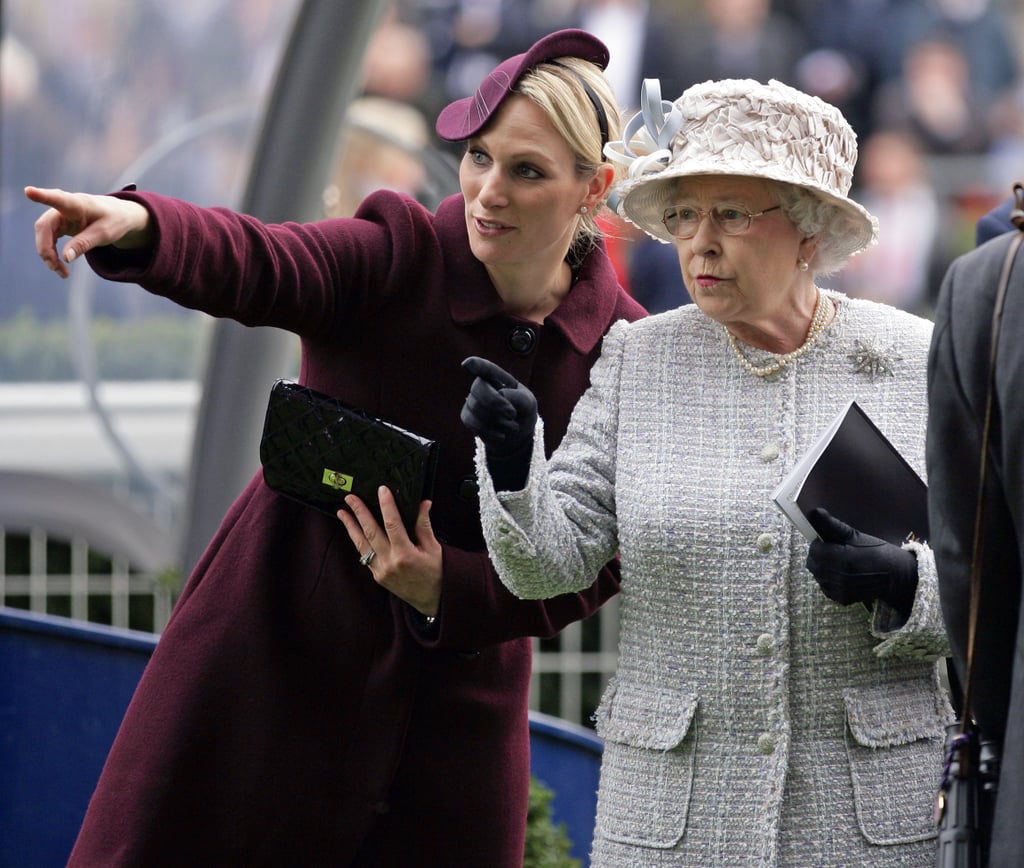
(752,721)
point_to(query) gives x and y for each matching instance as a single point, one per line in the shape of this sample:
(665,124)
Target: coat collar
(584,316)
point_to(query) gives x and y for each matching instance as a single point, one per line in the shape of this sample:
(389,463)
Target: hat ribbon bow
(646,144)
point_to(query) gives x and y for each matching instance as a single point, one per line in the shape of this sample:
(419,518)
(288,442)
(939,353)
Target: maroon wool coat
(293,713)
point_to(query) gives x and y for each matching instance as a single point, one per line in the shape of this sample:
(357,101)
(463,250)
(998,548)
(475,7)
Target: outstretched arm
(91,221)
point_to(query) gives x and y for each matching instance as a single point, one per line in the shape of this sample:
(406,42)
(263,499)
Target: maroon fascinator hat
(465,117)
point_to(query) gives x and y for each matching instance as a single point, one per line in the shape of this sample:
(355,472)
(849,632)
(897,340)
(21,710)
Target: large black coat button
(522,340)
(469,489)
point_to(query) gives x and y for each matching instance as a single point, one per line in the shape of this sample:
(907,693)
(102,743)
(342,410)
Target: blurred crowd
(96,93)
(934,89)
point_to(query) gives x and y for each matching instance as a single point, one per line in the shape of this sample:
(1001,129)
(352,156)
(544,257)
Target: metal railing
(70,578)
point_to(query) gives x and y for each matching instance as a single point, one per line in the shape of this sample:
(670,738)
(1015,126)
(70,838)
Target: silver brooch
(871,359)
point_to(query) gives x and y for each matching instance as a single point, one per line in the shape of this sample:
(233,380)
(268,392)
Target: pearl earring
(803,266)
(583,209)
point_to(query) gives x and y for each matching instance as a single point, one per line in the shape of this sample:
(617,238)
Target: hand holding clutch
(854,567)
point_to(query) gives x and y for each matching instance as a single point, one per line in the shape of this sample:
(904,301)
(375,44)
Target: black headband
(602,118)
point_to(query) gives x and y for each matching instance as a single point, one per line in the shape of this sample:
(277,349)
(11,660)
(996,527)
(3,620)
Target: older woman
(757,717)
(320,701)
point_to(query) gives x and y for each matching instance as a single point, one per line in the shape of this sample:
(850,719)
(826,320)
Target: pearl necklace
(818,321)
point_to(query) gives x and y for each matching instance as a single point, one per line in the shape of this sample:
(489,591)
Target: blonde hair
(557,88)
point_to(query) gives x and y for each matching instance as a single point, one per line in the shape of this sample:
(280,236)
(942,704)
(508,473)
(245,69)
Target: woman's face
(518,177)
(747,278)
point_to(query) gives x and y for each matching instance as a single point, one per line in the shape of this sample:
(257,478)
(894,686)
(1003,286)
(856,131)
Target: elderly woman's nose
(707,237)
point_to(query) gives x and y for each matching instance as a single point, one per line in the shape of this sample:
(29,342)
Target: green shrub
(547,844)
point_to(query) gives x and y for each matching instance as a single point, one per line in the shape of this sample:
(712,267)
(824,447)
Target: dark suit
(996,222)
(957,381)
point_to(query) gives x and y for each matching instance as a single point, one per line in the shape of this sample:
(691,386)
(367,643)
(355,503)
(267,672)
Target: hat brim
(465,117)
(643,201)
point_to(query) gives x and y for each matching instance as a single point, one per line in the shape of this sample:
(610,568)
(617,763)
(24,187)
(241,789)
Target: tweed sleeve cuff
(923,634)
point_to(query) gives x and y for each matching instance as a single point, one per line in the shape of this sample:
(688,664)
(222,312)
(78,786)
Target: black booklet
(855,473)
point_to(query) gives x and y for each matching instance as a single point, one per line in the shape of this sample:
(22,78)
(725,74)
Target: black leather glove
(502,412)
(854,567)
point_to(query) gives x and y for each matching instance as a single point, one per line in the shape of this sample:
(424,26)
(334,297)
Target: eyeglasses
(683,221)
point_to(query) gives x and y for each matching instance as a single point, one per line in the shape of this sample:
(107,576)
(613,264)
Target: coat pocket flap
(645,719)
(886,715)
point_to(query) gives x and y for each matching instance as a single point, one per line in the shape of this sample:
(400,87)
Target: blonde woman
(323,698)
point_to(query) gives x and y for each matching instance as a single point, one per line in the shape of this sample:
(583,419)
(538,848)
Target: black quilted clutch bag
(316,449)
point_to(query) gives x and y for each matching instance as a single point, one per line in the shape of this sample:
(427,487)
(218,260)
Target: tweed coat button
(765,644)
(765,542)
(769,452)
(766,743)
(521,340)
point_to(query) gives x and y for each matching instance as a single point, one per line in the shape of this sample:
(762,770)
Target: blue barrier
(64,687)
(566,758)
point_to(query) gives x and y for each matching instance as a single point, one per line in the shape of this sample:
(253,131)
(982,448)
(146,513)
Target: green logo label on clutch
(334,479)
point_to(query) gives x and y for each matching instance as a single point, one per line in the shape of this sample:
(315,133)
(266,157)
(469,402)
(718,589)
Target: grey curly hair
(814,217)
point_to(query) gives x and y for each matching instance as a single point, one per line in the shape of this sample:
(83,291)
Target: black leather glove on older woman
(502,412)
(854,567)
